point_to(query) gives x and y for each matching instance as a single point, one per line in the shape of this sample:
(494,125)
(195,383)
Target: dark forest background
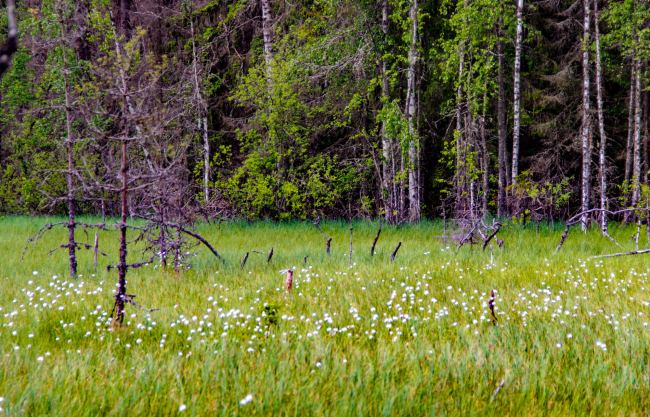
(277,109)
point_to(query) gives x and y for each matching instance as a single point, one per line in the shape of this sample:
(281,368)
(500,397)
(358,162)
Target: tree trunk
(267,37)
(501,121)
(206,160)
(646,164)
(601,127)
(124,17)
(72,245)
(517,88)
(385,140)
(486,159)
(630,134)
(202,112)
(586,118)
(636,174)
(122,266)
(414,201)
(459,125)
(11,44)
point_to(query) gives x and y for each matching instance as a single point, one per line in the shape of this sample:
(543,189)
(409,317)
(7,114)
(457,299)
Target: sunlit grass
(412,337)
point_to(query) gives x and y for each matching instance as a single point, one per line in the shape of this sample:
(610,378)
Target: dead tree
(327,240)
(133,120)
(73,190)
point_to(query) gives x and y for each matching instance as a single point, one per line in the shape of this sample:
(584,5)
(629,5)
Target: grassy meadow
(410,338)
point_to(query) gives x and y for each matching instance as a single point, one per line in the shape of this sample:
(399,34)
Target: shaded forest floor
(412,337)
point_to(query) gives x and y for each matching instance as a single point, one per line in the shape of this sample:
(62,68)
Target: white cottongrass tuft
(182,407)
(248,398)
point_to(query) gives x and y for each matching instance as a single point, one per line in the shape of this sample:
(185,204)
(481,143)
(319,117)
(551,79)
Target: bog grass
(407,338)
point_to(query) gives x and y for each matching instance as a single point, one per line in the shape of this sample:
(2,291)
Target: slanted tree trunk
(385,140)
(501,121)
(72,245)
(586,118)
(413,150)
(517,88)
(601,127)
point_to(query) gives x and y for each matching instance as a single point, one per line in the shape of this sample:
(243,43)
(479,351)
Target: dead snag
(96,248)
(613,255)
(392,256)
(350,259)
(491,305)
(494,233)
(270,254)
(467,237)
(328,240)
(374,242)
(244,261)
(202,240)
(576,219)
(305,260)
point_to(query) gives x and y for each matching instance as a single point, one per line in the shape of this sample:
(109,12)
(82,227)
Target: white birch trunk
(601,127)
(385,140)
(517,88)
(586,118)
(485,159)
(202,111)
(267,38)
(501,121)
(414,203)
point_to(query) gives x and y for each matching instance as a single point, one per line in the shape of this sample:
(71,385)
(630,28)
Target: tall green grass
(413,337)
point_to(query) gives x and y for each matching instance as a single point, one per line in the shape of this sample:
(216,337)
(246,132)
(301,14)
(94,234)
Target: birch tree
(501,123)
(586,117)
(411,115)
(517,91)
(601,125)
(387,142)
(202,111)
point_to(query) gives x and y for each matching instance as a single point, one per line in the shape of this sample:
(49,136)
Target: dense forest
(269,109)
